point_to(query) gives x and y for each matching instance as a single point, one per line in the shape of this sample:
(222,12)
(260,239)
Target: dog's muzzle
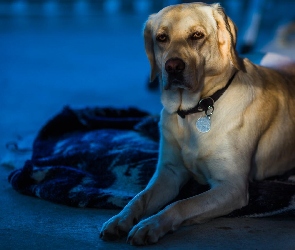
(175,68)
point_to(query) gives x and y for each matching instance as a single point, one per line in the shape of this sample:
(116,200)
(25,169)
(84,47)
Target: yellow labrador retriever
(225,122)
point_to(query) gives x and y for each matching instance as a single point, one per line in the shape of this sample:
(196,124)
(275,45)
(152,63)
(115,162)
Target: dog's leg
(162,188)
(220,200)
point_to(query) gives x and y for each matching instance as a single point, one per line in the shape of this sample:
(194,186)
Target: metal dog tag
(203,124)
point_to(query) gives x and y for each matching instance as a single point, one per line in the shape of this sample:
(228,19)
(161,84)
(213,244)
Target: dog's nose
(174,66)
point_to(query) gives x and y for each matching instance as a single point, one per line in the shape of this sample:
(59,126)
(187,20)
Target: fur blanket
(102,157)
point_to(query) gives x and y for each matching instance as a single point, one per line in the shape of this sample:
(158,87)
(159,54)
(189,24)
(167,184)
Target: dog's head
(186,43)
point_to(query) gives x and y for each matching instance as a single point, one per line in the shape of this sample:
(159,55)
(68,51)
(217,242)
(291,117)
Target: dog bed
(102,157)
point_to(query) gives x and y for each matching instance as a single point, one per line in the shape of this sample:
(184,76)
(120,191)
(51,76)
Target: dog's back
(274,88)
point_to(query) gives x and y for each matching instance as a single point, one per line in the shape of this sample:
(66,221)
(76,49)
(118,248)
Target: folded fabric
(102,157)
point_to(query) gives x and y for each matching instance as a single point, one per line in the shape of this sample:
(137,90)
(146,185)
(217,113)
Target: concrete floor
(48,63)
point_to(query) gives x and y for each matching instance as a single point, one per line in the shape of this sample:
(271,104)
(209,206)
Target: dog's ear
(227,36)
(149,48)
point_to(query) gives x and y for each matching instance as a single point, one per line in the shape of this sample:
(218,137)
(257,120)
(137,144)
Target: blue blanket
(102,157)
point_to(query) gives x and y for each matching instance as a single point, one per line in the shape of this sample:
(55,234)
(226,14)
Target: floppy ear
(227,36)
(149,48)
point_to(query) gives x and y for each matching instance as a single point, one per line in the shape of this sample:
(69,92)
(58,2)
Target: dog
(225,122)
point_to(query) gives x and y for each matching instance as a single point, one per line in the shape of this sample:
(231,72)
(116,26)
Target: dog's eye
(162,38)
(197,35)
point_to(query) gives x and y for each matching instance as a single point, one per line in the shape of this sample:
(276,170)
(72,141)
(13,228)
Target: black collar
(207,102)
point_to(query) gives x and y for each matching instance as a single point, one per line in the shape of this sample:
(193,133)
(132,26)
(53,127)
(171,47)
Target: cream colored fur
(252,134)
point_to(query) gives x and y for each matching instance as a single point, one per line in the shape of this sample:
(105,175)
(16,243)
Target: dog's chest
(194,147)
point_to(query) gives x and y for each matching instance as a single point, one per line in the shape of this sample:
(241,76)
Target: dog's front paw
(116,227)
(149,231)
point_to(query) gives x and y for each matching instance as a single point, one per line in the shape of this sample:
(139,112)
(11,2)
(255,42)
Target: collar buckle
(205,104)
